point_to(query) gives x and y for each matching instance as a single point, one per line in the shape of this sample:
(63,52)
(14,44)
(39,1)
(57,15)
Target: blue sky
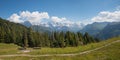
(71,9)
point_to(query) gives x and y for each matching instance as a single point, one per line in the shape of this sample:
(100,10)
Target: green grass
(110,52)
(12,49)
(8,48)
(71,49)
(107,53)
(64,50)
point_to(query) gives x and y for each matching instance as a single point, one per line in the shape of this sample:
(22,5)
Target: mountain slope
(42,29)
(111,30)
(11,32)
(94,28)
(27,24)
(44,26)
(49,27)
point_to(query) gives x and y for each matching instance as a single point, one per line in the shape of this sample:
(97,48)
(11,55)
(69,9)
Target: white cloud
(37,18)
(33,17)
(107,16)
(57,19)
(15,18)
(40,18)
(86,21)
(64,21)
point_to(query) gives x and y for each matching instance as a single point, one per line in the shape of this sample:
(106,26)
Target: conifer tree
(25,40)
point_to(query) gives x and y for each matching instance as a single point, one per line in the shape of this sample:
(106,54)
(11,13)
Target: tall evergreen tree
(25,40)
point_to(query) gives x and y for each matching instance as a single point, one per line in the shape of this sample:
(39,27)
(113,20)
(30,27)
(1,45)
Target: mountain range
(111,30)
(102,30)
(54,26)
(94,28)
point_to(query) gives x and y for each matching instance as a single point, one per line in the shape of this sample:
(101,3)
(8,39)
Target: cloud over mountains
(37,18)
(106,16)
(33,17)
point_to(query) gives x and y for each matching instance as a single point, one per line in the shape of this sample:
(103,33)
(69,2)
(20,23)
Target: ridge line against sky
(61,10)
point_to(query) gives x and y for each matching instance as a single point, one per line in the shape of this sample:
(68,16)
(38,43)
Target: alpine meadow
(59,30)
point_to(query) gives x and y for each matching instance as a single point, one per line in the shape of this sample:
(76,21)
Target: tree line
(18,34)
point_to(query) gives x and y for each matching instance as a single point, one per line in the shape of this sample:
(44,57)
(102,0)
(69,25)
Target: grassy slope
(107,53)
(8,48)
(71,49)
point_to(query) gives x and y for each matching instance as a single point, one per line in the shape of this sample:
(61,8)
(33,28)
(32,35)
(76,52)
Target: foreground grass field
(8,49)
(110,52)
(68,50)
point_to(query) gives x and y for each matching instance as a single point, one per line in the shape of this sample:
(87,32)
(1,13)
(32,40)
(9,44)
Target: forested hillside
(94,28)
(11,32)
(16,33)
(111,30)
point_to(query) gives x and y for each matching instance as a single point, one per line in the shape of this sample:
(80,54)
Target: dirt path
(74,54)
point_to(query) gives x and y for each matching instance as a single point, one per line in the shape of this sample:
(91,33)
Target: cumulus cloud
(32,17)
(37,18)
(41,18)
(57,19)
(65,22)
(15,18)
(106,16)
(61,21)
